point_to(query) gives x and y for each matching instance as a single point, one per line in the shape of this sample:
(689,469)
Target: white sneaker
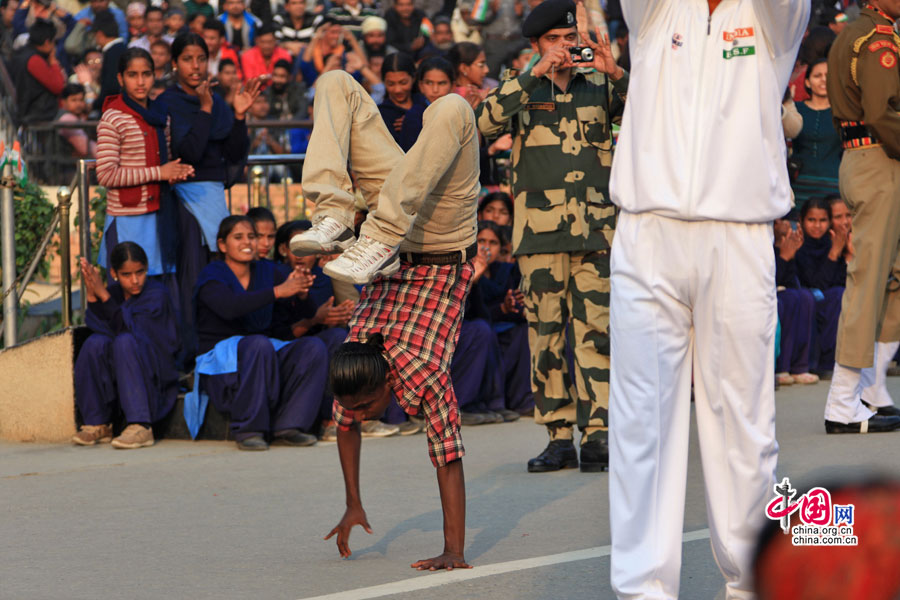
(784,379)
(325,237)
(364,261)
(378,429)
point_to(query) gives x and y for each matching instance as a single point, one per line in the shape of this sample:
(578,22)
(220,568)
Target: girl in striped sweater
(133,164)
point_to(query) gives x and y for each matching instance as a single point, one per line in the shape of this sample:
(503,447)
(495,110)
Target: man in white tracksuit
(699,174)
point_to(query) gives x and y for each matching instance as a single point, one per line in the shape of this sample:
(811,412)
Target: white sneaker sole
(301,246)
(386,271)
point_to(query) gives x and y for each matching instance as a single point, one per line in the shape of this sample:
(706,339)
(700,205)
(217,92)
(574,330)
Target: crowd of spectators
(407,54)
(813,243)
(293,41)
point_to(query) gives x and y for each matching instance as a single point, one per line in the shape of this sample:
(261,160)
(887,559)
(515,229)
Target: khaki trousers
(437,178)
(870,311)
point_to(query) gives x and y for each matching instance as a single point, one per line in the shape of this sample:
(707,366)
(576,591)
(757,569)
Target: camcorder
(581,54)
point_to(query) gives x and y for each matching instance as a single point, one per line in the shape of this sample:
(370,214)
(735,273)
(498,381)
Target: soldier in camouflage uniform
(560,115)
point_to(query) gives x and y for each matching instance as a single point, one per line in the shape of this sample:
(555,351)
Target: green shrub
(33,216)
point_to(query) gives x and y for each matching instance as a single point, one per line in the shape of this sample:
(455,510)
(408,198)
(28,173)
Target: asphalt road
(203,520)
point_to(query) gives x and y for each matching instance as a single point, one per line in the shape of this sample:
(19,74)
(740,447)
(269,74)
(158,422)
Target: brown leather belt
(442,258)
(855,134)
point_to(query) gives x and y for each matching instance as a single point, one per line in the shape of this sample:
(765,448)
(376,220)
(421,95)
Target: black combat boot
(559,454)
(594,456)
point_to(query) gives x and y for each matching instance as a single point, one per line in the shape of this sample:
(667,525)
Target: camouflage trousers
(567,294)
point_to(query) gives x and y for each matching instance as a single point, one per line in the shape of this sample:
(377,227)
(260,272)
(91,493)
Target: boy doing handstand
(415,248)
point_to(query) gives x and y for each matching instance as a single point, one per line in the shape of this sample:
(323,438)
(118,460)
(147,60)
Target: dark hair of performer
(435,78)
(398,73)
(360,377)
(128,265)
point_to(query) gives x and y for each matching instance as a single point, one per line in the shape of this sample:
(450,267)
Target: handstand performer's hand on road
(447,560)
(352,516)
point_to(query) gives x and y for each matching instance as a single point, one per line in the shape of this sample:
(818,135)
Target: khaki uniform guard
(864,90)
(562,234)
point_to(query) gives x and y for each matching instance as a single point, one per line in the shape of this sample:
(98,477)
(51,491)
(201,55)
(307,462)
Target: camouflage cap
(549,14)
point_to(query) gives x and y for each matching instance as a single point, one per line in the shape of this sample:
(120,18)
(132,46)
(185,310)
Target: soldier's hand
(603,56)
(556,57)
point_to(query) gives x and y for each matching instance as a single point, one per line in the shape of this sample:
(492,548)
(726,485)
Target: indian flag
(426,28)
(480,11)
(20,172)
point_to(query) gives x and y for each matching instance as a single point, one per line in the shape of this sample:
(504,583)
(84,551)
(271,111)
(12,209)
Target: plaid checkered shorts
(418,311)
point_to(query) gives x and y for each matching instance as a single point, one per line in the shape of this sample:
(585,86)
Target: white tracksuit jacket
(702,137)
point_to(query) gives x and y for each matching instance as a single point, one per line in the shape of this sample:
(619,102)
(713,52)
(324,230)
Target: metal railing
(7,221)
(45,149)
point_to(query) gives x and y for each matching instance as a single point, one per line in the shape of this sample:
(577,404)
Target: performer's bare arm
(453,502)
(349,443)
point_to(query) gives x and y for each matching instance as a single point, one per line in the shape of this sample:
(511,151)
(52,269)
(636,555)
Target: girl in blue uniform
(796,310)
(128,362)
(399,75)
(212,138)
(821,268)
(491,369)
(270,388)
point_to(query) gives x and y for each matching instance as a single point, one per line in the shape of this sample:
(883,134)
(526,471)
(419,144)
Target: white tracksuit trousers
(686,293)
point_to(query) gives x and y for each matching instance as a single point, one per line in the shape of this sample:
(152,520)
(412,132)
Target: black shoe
(884,411)
(294,437)
(559,454)
(253,443)
(469,418)
(508,415)
(492,417)
(876,424)
(594,456)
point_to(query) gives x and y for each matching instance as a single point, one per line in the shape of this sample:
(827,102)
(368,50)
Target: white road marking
(444,577)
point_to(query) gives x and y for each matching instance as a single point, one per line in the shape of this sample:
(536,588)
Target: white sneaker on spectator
(364,261)
(411,427)
(784,378)
(378,429)
(325,237)
(805,378)
(329,432)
